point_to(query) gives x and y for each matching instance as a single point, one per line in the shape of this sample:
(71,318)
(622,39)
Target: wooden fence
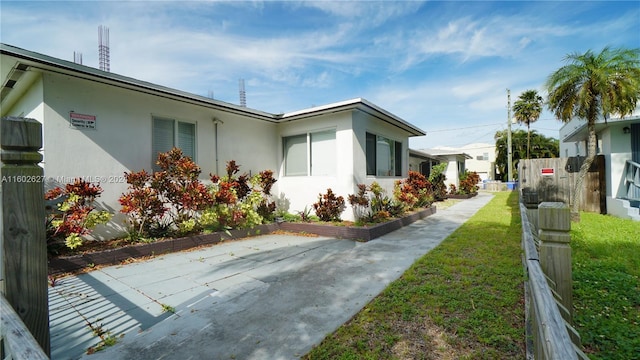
(553,178)
(548,288)
(16,341)
(23,248)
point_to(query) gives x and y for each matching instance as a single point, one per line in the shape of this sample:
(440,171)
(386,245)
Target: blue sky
(441,65)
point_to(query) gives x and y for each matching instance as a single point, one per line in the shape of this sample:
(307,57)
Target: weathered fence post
(23,239)
(554,224)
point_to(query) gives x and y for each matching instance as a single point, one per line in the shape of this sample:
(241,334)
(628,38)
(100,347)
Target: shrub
(437,179)
(167,200)
(143,204)
(382,206)
(174,200)
(74,217)
(360,203)
(239,201)
(415,191)
(329,206)
(469,182)
(179,185)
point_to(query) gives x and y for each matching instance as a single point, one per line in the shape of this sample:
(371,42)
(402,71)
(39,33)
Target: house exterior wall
(452,172)
(484,168)
(302,191)
(613,143)
(121,141)
(31,103)
(122,138)
(351,165)
(616,148)
(364,123)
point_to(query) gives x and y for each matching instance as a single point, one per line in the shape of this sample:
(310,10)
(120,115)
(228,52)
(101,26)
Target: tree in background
(540,147)
(591,86)
(527,110)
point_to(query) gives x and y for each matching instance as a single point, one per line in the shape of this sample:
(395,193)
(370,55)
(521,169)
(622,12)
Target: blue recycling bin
(512,185)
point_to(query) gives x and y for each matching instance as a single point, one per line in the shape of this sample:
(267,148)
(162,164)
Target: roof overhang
(31,61)
(26,64)
(424,155)
(358,104)
(446,153)
(579,131)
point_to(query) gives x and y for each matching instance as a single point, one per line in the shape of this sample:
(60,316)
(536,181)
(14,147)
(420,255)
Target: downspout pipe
(216,122)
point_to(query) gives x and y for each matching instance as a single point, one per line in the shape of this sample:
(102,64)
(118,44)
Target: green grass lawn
(606,287)
(462,300)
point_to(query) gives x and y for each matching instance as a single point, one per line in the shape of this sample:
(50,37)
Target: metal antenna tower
(103,47)
(77,57)
(243,93)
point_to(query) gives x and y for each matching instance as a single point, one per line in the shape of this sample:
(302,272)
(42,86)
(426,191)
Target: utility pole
(509,153)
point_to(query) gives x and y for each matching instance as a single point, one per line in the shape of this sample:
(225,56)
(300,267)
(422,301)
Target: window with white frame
(384,156)
(311,153)
(170,133)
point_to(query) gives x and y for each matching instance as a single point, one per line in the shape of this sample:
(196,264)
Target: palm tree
(591,86)
(527,110)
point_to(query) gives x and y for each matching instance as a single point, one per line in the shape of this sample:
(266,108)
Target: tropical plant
(541,147)
(175,201)
(414,191)
(527,110)
(437,179)
(142,204)
(180,186)
(382,206)
(591,86)
(329,206)
(239,201)
(168,199)
(75,216)
(360,202)
(469,182)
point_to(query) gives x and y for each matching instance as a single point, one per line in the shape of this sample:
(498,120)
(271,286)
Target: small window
(384,156)
(169,133)
(323,153)
(295,155)
(311,153)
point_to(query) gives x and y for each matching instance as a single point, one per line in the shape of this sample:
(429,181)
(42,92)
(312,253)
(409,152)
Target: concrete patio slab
(268,297)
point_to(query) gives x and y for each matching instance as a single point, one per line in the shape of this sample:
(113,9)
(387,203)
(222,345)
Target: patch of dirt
(425,340)
(89,246)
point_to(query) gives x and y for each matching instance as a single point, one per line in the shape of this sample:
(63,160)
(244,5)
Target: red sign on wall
(82,121)
(547,171)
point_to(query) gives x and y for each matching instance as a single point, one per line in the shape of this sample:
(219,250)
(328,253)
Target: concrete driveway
(267,297)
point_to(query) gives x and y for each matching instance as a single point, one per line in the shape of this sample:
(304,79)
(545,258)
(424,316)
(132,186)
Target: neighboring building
(482,161)
(455,161)
(98,125)
(619,142)
(423,162)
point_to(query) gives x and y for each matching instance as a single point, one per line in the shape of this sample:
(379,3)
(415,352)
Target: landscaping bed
(461,196)
(64,264)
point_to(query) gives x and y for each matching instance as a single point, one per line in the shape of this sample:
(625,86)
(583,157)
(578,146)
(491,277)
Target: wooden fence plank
(23,239)
(556,183)
(18,342)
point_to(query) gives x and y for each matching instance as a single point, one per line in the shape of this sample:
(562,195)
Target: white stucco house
(98,125)
(482,158)
(619,142)
(454,159)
